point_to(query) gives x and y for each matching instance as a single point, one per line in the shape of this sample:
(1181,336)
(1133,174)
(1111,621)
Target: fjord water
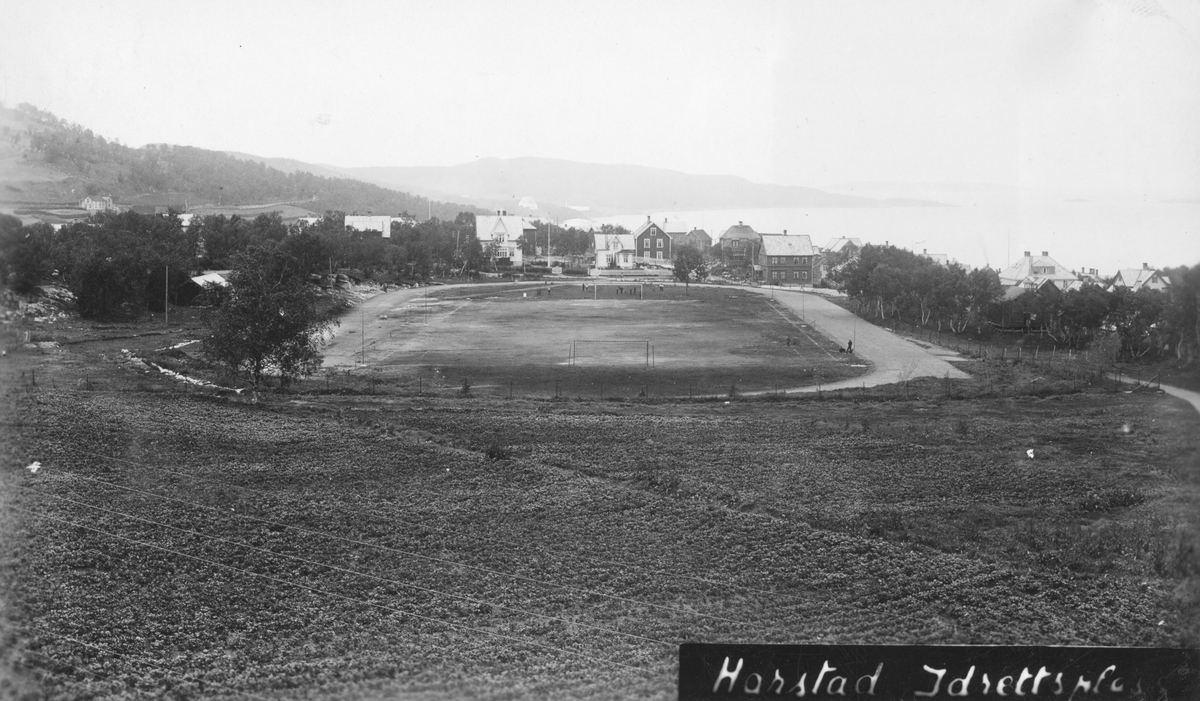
(989,227)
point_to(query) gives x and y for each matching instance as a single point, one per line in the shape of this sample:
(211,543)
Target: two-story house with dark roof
(788,260)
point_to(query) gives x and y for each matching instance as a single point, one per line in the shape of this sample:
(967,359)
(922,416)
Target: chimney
(647,218)
(1045,253)
(739,222)
(497,212)
(924,251)
(506,212)
(1145,267)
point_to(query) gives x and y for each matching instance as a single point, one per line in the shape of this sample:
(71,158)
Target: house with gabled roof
(652,243)
(740,243)
(1135,279)
(836,245)
(614,250)
(504,232)
(788,260)
(696,238)
(1031,272)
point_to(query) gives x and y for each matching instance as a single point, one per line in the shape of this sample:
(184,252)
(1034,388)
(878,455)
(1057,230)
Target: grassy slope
(798,521)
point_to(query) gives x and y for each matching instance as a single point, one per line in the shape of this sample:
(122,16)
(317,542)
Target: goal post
(624,352)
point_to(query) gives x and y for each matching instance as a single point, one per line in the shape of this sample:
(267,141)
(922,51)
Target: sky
(1077,96)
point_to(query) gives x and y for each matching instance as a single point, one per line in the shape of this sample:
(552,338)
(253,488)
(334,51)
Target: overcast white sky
(1077,95)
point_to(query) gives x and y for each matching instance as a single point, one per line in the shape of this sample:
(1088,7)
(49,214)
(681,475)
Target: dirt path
(1186,395)
(895,358)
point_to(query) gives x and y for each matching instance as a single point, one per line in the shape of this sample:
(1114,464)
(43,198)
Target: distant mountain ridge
(495,183)
(609,189)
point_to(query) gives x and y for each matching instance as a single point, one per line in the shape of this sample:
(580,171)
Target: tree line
(889,282)
(121,264)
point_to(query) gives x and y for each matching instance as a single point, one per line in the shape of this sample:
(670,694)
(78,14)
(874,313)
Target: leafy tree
(268,321)
(308,250)
(24,253)
(689,265)
(1083,312)
(117,265)
(1182,316)
(1136,316)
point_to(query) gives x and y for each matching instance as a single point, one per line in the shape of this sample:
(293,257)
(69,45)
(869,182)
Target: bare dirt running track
(895,359)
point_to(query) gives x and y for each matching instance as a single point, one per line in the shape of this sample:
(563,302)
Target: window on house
(660,242)
(803,274)
(796,275)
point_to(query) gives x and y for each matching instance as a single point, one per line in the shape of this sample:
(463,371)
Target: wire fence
(1037,350)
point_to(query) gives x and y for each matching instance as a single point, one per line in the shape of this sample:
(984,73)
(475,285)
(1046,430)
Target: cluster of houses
(1032,272)
(776,258)
(780,259)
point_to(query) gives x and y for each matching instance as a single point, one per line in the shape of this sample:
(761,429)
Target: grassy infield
(331,544)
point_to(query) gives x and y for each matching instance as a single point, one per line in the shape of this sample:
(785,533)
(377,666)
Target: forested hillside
(37,146)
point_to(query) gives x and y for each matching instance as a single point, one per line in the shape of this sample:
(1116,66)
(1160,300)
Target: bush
(497,451)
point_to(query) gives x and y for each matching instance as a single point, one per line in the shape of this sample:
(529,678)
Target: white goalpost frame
(573,352)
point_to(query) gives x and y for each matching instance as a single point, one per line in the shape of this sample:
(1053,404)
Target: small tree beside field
(267,322)
(689,265)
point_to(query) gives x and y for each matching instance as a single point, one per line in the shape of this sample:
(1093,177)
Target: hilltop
(46,161)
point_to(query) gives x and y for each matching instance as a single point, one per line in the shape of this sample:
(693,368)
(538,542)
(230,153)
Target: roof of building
(740,231)
(1023,270)
(698,235)
(214,276)
(1031,283)
(646,225)
(841,242)
(581,224)
(783,245)
(614,242)
(675,227)
(487,226)
(1135,278)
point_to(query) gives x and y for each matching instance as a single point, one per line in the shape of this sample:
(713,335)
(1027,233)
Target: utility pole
(166,291)
(362,332)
